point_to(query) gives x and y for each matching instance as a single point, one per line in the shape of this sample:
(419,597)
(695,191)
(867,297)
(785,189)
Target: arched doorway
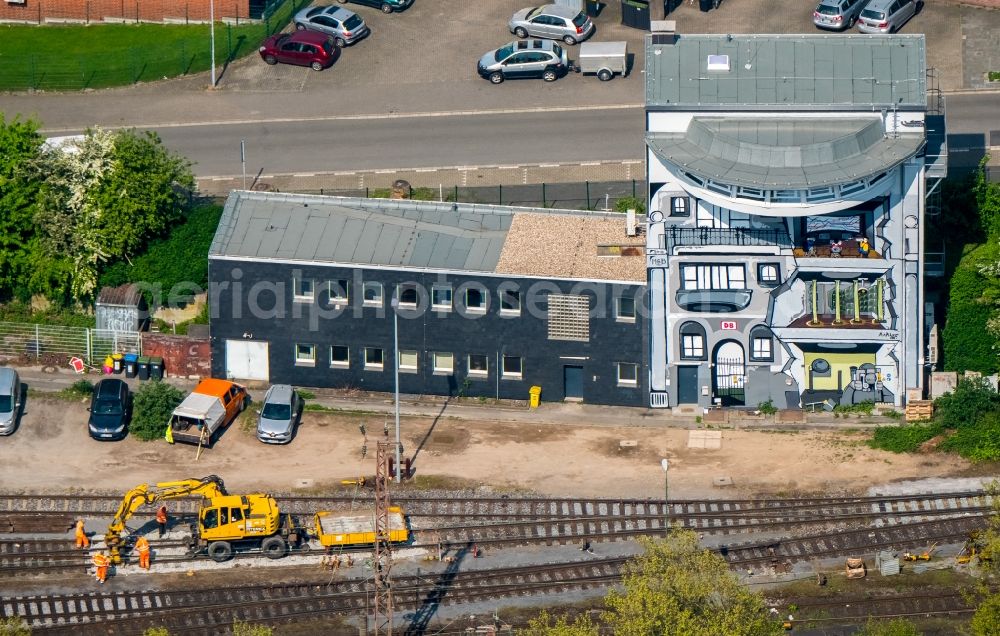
(730,373)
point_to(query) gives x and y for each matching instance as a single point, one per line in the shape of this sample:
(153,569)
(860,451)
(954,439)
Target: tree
(14,626)
(156,631)
(105,197)
(893,627)
(986,620)
(546,625)
(677,587)
(20,144)
(151,409)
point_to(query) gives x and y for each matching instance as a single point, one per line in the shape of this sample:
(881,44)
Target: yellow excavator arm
(208,487)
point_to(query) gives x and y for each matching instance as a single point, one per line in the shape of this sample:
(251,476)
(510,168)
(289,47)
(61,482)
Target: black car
(110,410)
(387,6)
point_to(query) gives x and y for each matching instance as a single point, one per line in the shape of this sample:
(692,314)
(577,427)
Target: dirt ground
(51,451)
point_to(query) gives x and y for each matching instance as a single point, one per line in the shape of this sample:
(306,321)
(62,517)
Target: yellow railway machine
(340,529)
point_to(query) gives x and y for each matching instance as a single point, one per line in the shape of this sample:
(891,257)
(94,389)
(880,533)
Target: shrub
(767,408)
(630,203)
(306,395)
(151,409)
(864,408)
(82,388)
(251,629)
(903,439)
(977,443)
(963,407)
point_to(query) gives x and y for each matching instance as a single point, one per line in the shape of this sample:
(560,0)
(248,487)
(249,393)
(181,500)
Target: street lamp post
(395,352)
(211,20)
(665,465)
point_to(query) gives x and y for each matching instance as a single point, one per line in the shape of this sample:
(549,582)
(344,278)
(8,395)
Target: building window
(625,309)
(569,318)
(761,344)
(475,299)
(408,360)
(769,274)
(374,358)
(692,341)
(512,367)
(372,293)
(340,356)
(713,277)
(305,354)
(628,374)
(679,206)
(339,291)
(479,364)
(303,290)
(407,294)
(441,297)
(444,362)
(510,302)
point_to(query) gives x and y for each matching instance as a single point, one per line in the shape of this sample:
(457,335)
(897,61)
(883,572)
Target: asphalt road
(413,142)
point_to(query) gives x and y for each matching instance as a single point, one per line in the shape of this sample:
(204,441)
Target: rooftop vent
(718,62)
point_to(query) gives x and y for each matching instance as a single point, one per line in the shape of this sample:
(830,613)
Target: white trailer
(604,59)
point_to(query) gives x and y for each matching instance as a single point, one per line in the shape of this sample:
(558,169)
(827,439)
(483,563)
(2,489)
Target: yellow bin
(536,396)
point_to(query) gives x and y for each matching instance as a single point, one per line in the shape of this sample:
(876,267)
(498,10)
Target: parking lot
(435,45)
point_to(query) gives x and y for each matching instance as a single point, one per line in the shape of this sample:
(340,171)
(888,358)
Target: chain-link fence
(146,52)
(587,195)
(54,344)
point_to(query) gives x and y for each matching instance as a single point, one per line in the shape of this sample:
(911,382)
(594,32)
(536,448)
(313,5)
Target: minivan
(10,400)
(887,16)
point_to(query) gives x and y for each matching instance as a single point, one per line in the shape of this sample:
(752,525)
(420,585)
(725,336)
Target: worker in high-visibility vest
(101,562)
(142,547)
(161,519)
(81,535)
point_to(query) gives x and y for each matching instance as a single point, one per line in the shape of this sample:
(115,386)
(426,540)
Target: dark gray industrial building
(491,300)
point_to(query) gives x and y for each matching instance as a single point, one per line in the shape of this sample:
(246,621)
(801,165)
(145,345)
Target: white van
(10,400)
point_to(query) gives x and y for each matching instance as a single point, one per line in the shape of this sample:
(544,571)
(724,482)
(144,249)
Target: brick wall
(183,356)
(41,11)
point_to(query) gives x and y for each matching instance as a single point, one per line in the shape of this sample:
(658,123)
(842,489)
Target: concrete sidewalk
(53,380)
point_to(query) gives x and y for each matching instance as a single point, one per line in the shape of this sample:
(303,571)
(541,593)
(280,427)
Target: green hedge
(903,439)
(175,262)
(968,345)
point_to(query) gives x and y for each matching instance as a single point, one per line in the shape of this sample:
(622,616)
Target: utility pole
(382,561)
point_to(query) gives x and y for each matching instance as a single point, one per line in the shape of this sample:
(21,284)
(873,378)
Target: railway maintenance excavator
(225,522)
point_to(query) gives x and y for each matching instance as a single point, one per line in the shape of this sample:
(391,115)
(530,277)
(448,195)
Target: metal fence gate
(730,374)
(56,344)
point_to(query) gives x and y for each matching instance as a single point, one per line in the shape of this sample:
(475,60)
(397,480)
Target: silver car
(10,400)
(552,21)
(887,16)
(346,27)
(279,415)
(838,14)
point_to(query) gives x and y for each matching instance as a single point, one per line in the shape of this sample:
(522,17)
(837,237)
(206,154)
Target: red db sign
(729,325)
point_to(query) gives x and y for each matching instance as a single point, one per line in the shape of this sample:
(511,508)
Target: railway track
(855,610)
(212,610)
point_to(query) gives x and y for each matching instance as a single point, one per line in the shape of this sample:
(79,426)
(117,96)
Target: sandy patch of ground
(52,451)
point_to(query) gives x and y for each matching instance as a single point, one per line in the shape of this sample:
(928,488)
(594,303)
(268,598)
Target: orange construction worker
(142,547)
(81,535)
(161,519)
(101,562)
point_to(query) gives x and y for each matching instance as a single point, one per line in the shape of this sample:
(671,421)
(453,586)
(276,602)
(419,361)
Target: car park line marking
(416,115)
(548,165)
(590,163)
(425,170)
(304,174)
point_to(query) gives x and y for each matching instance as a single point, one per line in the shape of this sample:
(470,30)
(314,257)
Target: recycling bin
(117,362)
(155,368)
(535,394)
(142,367)
(131,364)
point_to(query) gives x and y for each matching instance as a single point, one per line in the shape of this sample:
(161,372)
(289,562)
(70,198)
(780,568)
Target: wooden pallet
(919,410)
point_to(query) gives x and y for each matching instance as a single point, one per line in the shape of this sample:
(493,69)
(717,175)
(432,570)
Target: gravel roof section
(543,245)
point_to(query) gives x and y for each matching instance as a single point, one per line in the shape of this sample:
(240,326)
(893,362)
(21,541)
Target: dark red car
(304,48)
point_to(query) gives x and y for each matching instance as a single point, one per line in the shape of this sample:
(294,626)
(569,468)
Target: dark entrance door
(687,385)
(573,383)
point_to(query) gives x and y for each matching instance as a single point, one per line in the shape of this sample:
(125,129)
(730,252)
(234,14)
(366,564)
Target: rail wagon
(336,529)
